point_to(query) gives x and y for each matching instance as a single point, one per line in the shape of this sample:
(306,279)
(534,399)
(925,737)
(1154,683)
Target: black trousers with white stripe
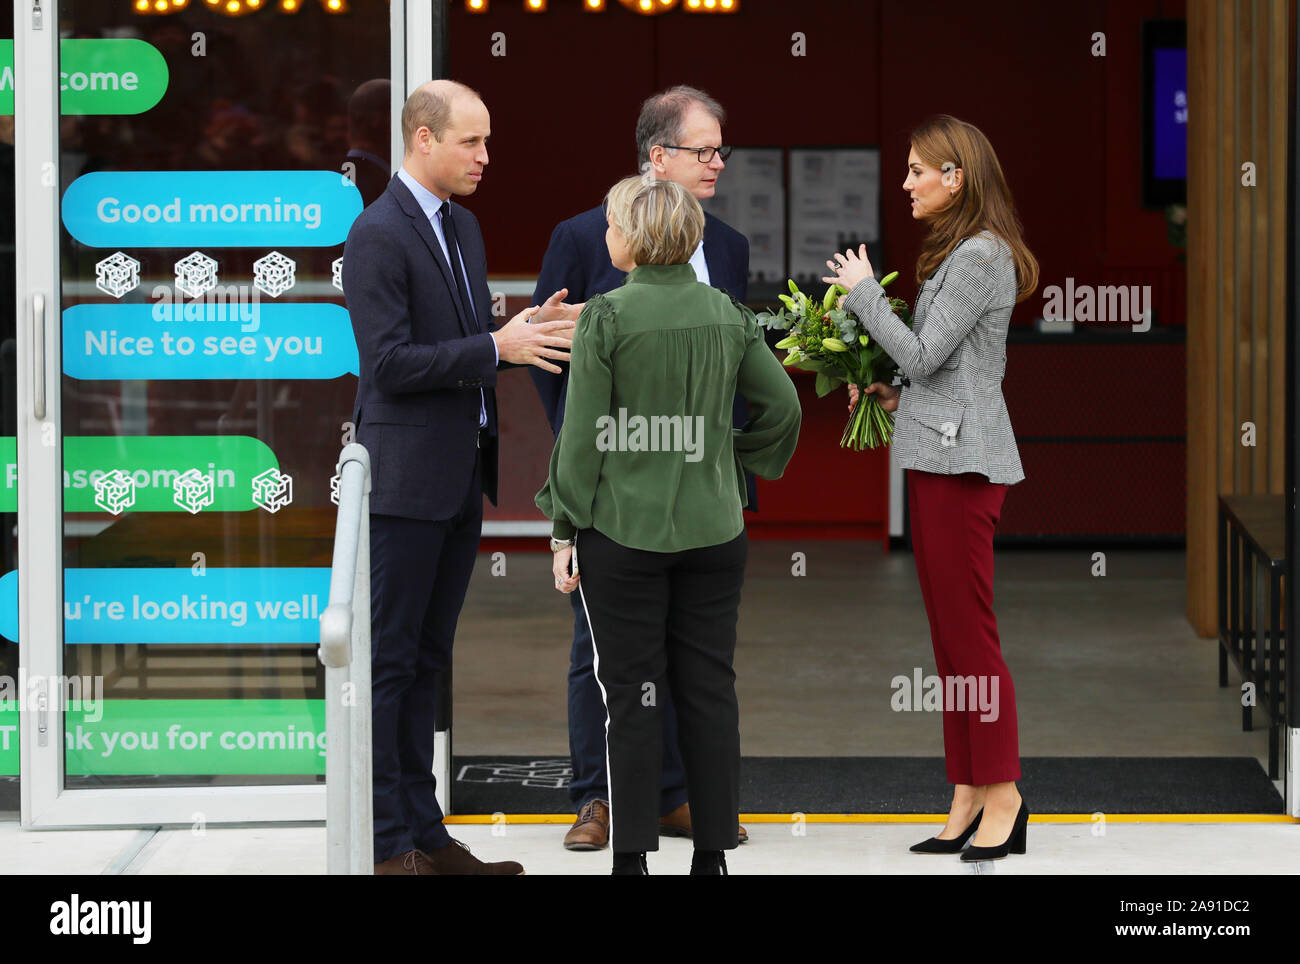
(656,618)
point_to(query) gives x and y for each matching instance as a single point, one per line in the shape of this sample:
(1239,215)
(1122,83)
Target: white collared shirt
(699,264)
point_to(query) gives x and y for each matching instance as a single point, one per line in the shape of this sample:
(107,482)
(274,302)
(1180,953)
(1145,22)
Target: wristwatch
(558,544)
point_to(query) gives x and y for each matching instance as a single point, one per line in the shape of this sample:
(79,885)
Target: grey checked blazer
(952,417)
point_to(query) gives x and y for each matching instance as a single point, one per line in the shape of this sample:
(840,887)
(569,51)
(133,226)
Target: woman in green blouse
(647,485)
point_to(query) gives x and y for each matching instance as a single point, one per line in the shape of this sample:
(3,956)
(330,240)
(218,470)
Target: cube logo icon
(117,274)
(336,267)
(115,491)
(196,274)
(274,274)
(272,490)
(335,481)
(193,491)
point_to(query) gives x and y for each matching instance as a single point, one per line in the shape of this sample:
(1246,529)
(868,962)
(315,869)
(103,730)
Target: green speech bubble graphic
(114,76)
(152,464)
(174,737)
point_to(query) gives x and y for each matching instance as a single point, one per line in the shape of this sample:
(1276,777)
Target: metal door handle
(38,356)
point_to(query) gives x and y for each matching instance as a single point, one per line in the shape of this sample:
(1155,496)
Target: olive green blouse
(647,453)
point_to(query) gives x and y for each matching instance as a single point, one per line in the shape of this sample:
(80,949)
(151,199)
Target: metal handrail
(345,651)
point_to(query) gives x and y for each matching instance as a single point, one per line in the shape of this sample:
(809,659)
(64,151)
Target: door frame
(45,803)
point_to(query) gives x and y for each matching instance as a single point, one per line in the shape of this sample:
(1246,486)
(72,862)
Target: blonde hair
(661,222)
(983,202)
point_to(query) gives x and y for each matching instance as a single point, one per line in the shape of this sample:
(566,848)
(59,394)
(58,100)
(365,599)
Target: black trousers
(670,617)
(419,573)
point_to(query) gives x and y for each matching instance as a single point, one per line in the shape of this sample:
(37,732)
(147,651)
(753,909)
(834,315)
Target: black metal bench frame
(1251,634)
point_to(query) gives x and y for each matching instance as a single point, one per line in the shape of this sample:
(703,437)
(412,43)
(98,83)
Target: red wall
(1065,124)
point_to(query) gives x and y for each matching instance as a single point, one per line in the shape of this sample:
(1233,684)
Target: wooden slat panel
(1226,180)
(1243,198)
(1262,350)
(1239,73)
(1279,31)
(1202,312)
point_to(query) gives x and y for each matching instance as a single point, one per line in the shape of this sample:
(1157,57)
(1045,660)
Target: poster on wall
(834,205)
(750,197)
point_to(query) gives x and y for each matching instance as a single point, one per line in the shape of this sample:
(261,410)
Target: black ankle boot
(708,862)
(630,863)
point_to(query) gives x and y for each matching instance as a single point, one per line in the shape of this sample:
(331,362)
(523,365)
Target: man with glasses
(679,138)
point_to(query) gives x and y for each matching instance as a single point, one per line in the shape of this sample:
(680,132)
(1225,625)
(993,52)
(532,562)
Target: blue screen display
(1169,113)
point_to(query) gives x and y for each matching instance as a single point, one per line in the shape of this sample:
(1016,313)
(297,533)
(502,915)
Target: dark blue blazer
(577,259)
(423,361)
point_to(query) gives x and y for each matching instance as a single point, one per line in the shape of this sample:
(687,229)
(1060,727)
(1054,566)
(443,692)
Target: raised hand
(555,310)
(521,343)
(851,268)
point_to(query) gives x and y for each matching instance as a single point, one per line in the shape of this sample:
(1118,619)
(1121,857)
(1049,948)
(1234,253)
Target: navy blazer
(578,259)
(423,360)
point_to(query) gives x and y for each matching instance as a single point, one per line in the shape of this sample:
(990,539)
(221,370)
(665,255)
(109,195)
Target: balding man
(415,278)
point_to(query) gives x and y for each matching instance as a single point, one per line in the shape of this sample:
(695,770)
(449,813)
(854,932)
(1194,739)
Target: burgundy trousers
(953,518)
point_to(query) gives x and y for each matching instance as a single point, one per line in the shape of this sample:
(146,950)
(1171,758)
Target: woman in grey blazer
(953,435)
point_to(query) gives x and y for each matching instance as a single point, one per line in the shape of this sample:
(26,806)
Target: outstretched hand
(555,309)
(521,343)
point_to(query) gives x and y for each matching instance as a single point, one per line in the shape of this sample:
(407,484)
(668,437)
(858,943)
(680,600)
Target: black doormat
(522,784)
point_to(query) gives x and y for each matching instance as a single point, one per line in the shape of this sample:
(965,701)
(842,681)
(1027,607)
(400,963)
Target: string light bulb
(649,8)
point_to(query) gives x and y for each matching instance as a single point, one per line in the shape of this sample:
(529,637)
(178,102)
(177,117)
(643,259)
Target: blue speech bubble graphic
(265,340)
(278,605)
(210,209)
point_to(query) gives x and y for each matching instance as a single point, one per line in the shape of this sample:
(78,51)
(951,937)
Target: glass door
(199,373)
(9,695)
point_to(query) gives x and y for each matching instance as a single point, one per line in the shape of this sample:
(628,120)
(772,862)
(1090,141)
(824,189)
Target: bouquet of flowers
(826,339)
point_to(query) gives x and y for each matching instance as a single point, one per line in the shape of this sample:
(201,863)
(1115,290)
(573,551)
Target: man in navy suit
(415,279)
(679,138)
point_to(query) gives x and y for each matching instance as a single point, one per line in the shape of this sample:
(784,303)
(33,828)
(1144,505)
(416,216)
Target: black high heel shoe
(936,846)
(1015,843)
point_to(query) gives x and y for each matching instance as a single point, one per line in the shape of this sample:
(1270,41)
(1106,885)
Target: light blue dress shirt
(431,204)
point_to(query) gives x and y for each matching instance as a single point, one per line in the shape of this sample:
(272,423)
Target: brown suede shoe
(454,859)
(413,862)
(590,831)
(678,824)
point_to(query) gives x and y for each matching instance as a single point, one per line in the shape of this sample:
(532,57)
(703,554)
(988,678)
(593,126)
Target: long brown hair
(983,202)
